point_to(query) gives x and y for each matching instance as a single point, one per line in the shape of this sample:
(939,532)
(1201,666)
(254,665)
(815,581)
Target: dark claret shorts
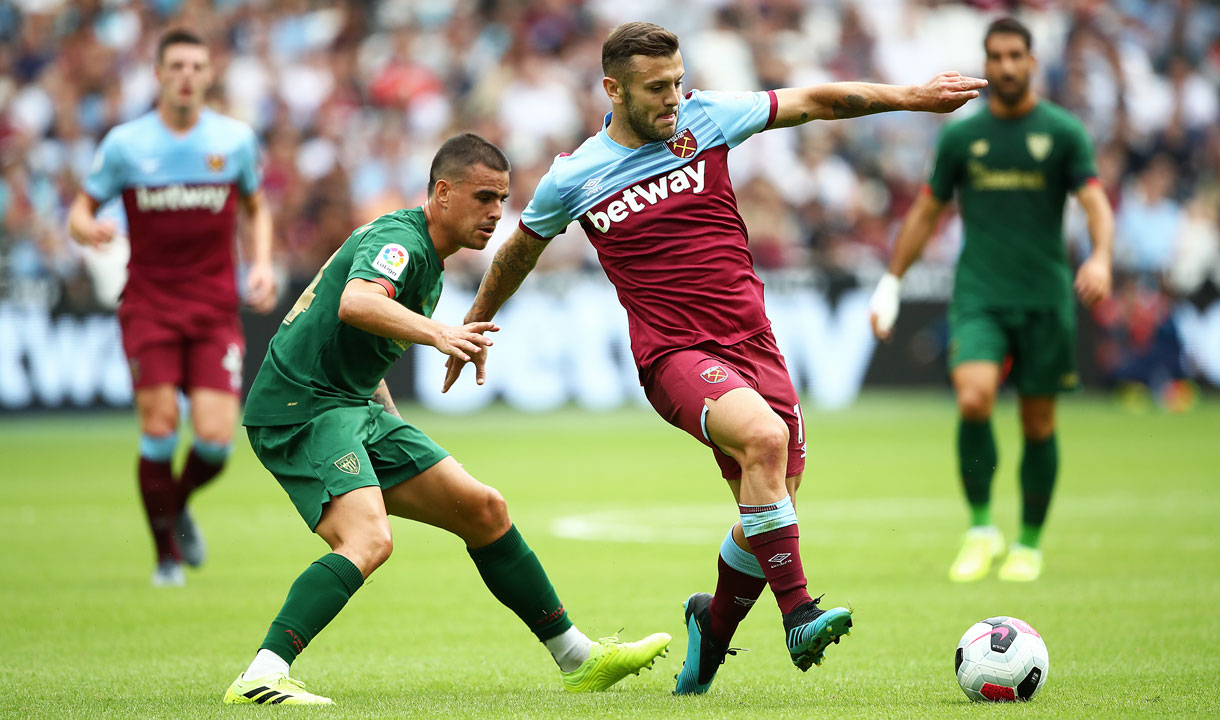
(678,383)
(203,354)
(1041,341)
(341,450)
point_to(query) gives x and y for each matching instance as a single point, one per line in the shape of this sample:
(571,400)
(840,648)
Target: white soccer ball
(1001,659)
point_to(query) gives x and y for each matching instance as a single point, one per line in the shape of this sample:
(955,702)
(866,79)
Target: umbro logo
(744,602)
(592,185)
(779,559)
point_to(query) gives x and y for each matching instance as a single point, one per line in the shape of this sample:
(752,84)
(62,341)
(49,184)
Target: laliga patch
(714,374)
(391,260)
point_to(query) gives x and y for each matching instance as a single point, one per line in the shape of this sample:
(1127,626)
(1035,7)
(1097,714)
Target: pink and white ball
(1001,659)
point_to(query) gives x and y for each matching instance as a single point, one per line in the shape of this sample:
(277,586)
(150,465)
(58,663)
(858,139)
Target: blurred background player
(321,420)
(1013,165)
(182,171)
(653,193)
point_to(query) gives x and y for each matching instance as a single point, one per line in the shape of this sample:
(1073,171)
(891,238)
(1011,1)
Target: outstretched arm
(1093,278)
(918,226)
(367,305)
(512,262)
(834,101)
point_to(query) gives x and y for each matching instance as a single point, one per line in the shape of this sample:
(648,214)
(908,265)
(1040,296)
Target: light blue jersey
(664,221)
(179,193)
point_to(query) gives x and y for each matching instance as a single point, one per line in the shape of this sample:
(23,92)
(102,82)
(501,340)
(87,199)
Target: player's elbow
(350,307)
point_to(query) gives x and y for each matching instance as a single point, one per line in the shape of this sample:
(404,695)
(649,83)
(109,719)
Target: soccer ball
(1001,659)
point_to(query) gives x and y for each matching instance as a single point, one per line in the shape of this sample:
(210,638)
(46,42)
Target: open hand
(465,344)
(946,92)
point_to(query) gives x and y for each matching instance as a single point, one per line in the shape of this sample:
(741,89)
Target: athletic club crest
(1039,145)
(349,464)
(714,374)
(683,144)
(216,163)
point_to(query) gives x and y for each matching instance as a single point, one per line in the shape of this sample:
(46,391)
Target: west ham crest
(216,163)
(714,374)
(683,144)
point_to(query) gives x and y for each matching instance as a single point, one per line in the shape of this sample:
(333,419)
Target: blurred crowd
(352,98)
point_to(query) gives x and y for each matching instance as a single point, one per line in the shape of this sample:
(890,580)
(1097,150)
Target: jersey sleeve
(946,168)
(1080,165)
(105,179)
(249,178)
(545,216)
(385,260)
(738,114)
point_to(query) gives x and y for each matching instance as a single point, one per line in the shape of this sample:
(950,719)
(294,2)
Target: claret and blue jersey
(664,221)
(180,196)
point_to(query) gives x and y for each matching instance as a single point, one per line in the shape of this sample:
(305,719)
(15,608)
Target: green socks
(513,574)
(1039,467)
(976,456)
(313,601)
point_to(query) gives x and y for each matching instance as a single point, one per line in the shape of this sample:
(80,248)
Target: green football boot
(610,661)
(273,689)
(1023,564)
(980,546)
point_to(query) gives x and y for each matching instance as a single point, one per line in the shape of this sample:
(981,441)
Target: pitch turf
(1127,605)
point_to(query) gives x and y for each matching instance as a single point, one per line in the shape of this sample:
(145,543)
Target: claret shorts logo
(714,374)
(683,144)
(391,260)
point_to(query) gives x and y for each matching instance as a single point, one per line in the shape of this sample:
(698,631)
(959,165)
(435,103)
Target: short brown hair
(177,36)
(1009,26)
(460,152)
(635,38)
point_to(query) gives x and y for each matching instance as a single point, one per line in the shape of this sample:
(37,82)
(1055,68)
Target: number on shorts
(800,424)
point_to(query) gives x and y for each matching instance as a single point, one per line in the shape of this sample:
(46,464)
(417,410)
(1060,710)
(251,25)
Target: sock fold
(774,539)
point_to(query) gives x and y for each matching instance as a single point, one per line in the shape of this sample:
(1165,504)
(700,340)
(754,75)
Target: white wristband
(884,303)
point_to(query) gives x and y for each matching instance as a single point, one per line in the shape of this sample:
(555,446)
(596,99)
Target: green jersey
(1013,176)
(316,362)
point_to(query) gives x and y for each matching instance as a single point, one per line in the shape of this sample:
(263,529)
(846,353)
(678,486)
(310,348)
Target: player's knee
(1038,426)
(767,442)
(158,425)
(214,435)
(491,514)
(377,547)
(975,403)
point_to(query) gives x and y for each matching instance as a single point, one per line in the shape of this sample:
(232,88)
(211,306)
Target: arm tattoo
(512,262)
(856,106)
(382,395)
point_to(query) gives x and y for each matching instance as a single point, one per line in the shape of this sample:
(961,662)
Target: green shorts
(341,450)
(1041,341)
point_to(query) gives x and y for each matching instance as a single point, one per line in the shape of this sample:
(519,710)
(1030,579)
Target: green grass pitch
(626,514)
